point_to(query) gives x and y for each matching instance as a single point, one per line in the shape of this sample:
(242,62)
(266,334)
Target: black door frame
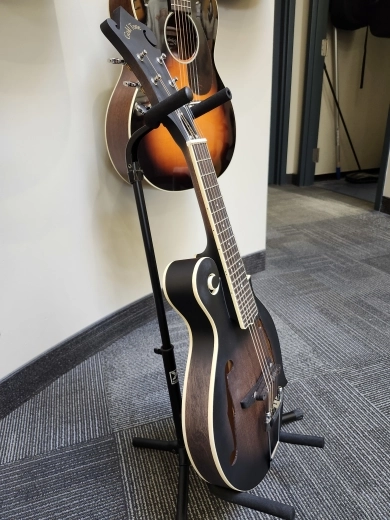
(383,166)
(314,70)
(283,42)
(318,20)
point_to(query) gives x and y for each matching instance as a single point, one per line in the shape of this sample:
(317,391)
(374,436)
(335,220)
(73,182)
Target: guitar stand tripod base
(154,116)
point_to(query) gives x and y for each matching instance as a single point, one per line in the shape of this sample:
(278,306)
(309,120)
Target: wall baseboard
(30,379)
(385,206)
(292,178)
(333,175)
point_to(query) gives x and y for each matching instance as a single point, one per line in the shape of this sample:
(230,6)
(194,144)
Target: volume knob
(213,283)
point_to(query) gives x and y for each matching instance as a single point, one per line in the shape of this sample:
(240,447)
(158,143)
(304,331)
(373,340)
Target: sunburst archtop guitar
(186,32)
(233,388)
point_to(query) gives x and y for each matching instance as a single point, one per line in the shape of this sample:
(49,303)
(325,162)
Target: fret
(236,253)
(223,225)
(225,241)
(239,268)
(212,200)
(202,160)
(220,221)
(181,5)
(217,211)
(226,249)
(210,187)
(238,275)
(211,196)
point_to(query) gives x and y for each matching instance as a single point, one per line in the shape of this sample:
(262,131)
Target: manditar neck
(181,5)
(214,207)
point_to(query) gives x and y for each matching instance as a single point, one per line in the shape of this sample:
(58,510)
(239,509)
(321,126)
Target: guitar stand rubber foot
(155,444)
(265,505)
(302,440)
(294,415)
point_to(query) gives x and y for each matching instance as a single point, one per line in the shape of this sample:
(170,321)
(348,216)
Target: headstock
(138,46)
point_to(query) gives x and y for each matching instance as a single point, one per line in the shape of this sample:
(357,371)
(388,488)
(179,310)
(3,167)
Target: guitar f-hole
(231,412)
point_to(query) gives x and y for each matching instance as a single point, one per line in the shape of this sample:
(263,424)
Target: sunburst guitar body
(186,33)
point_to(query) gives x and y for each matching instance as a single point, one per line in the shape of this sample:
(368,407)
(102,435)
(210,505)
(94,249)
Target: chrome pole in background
(337,114)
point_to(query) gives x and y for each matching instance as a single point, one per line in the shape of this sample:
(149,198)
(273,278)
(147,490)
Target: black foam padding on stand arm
(157,113)
(214,101)
(302,440)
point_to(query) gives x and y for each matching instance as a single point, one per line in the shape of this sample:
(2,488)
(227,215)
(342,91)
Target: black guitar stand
(152,119)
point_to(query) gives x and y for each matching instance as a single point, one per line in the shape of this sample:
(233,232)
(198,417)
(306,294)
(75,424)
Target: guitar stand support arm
(156,115)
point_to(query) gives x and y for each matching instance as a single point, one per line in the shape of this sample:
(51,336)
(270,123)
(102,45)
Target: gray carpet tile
(147,473)
(327,287)
(340,481)
(380,262)
(371,382)
(130,367)
(81,482)
(71,410)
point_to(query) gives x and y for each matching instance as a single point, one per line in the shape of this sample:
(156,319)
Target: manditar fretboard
(229,254)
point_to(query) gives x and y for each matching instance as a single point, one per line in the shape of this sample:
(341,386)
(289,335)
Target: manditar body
(233,388)
(186,32)
(227,444)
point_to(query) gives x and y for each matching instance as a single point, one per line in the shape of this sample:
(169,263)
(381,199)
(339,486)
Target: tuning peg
(134,84)
(116,61)
(142,55)
(162,58)
(156,78)
(172,81)
(140,109)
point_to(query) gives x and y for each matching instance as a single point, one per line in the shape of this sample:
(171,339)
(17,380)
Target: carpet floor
(67,452)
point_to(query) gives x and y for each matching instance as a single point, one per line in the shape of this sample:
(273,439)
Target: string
(186,33)
(179,51)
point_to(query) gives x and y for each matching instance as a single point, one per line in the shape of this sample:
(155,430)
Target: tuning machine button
(162,58)
(116,61)
(140,109)
(172,81)
(134,84)
(156,79)
(142,55)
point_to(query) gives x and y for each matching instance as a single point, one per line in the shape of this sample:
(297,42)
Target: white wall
(364,110)
(71,250)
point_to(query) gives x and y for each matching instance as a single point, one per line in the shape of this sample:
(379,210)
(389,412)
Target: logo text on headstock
(129,28)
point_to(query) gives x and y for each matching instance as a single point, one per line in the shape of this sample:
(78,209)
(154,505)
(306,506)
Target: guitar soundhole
(231,412)
(181,37)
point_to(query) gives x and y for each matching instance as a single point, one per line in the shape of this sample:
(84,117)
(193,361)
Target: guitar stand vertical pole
(168,357)
(272,507)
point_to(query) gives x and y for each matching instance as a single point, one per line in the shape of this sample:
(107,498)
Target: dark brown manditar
(186,34)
